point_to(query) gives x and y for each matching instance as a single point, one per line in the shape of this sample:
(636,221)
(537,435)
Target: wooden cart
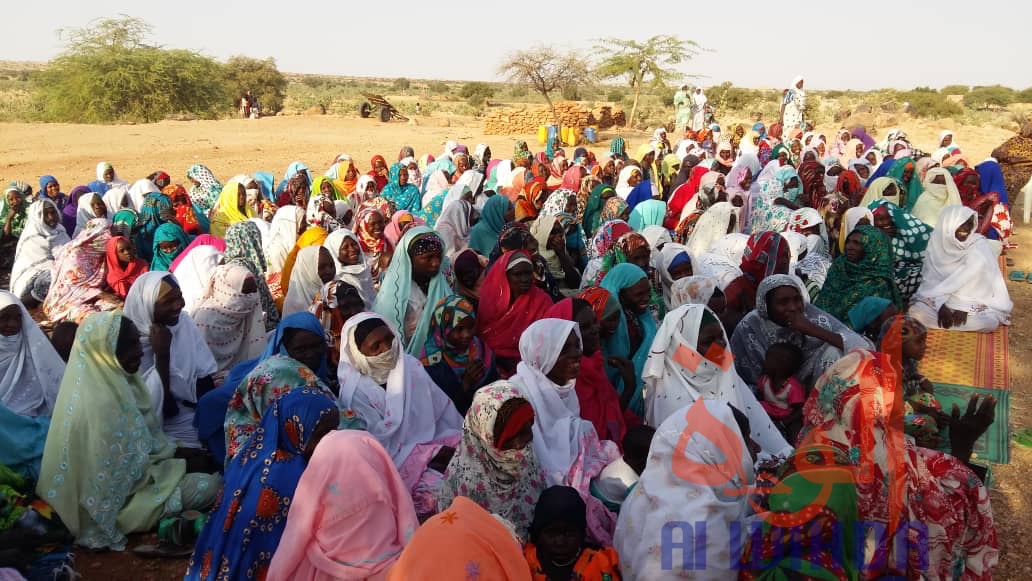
(387,111)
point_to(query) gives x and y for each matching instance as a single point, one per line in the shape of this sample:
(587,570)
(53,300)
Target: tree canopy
(652,63)
(110,72)
(546,70)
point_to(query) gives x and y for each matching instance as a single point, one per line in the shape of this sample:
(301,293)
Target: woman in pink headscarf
(351,517)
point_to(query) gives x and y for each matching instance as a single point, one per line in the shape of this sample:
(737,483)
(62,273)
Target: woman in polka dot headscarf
(909,240)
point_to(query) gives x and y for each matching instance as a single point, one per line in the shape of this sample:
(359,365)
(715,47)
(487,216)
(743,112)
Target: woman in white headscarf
(673,263)
(691,478)
(282,236)
(850,220)
(567,446)
(314,268)
(152,303)
(719,220)
(689,360)
(940,191)
(351,263)
(699,102)
(139,191)
(454,225)
(793,106)
(229,317)
(722,261)
(624,185)
(962,288)
(30,368)
(34,255)
(414,420)
(194,273)
(107,175)
(90,206)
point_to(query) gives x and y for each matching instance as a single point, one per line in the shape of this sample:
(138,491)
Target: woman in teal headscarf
(864,270)
(779,197)
(108,469)
(484,235)
(648,213)
(411,287)
(398,190)
(156,210)
(617,147)
(166,235)
(637,329)
(593,207)
(905,172)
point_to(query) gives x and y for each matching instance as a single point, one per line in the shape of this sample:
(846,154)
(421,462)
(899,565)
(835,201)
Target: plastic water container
(543,134)
(590,135)
(553,132)
(570,135)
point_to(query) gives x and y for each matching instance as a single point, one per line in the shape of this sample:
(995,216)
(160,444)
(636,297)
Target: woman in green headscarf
(593,208)
(909,237)
(865,270)
(108,469)
(169,241)
(497,212)
(905,172)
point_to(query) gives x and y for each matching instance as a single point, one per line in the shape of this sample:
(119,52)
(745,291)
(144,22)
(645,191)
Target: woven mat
(968,359)
(994,445)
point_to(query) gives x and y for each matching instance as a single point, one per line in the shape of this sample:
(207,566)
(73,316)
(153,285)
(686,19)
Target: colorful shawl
(207,189)
(850,282)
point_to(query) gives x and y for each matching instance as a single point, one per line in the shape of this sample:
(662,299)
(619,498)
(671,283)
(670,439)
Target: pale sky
(755,43)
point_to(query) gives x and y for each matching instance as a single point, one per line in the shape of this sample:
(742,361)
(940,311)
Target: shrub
(107,74)
(994,95)
(1024,96)
(930,104)
(438,87)
(615,95)
(727,96)
(401,84)
(261,77)
(518,91)
(571,93)
(476,94)
(955,90)
(312,81)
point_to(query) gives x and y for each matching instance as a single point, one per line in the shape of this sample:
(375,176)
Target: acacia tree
(651,63)
(109,73)
(546,70)
(261,77)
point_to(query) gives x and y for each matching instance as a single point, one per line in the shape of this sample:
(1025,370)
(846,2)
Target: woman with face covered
(778,198)
(402,408)
(567,446)
(32,369)
(634,333)
(34,254)
(962,288)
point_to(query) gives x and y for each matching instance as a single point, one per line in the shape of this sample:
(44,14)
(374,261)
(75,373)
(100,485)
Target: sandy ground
(70,152)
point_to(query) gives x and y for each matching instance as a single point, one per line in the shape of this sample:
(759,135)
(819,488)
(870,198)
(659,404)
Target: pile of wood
(526,120)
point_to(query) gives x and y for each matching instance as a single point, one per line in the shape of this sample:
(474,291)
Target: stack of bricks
(522,121)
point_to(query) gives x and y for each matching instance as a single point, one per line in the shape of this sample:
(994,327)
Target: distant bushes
(476,93)
(927,103)
(990,96)
(107,73)
(401,84)
(955,90)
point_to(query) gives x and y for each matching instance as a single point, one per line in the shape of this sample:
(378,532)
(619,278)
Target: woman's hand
(473,375)
(945,317)
(966,429)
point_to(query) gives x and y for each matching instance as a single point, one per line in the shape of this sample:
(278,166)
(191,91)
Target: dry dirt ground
(70,152)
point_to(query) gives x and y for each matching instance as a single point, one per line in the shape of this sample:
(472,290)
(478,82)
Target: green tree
(108,73)
(990,96)
(259,76)
(1024,96)
(652,63)
(955,90)
(476,93)
(546,70)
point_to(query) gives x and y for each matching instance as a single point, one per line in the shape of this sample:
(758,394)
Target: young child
(905,340)
(558,546)
(617,479)
(781,393)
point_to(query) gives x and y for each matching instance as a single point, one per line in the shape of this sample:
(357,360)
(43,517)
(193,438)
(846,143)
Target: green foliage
(955,90)
(1024,96)
(616,95)
(930,104)
(727,96)
(438,87)
(650,63)
(571,93)
(518,91)
(401,84)
(476,94)
(107,74)
(991,96)
(261,77)
(313,81)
